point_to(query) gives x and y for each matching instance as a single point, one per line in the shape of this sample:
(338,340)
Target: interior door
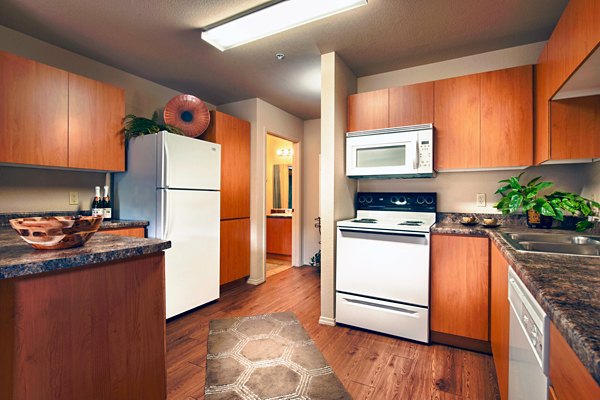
(190,220)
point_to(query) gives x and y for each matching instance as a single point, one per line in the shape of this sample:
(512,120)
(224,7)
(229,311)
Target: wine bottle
(106,204)
(97,208)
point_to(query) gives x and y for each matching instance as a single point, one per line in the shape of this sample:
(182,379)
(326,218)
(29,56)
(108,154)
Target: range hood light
(276,18)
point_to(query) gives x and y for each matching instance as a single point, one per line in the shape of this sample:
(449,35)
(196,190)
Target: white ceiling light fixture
(279,17)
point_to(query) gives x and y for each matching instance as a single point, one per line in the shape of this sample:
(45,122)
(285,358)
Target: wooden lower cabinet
(139,232)
(279,235)
(235,249)
(460,286)
(500,316)
(570,379)
(93,332)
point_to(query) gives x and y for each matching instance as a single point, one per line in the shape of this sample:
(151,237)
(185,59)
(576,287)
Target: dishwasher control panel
(534,332)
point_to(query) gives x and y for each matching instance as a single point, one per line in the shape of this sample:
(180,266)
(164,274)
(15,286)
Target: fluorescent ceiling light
(273,19)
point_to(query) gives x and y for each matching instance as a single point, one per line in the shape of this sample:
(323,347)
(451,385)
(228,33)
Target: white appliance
(528,344)
(401,152)
(382,277)
(173,181)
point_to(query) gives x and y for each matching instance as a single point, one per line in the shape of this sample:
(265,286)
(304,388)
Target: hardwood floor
(277,263)
(371,366)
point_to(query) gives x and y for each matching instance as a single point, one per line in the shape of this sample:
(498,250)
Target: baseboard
(252,281)
(479,346)
(326,321)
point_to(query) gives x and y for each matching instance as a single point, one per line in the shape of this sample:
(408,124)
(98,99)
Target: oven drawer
(391,266)
(383,316)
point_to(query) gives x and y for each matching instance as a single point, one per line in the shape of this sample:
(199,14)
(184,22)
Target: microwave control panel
(425,156)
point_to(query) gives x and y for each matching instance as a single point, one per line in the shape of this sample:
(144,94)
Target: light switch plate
(480,199)
(73,198)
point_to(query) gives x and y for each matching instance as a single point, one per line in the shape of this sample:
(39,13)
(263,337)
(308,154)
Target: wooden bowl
(53,233)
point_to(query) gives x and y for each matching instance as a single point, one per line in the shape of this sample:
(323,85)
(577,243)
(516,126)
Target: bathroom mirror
(282,186)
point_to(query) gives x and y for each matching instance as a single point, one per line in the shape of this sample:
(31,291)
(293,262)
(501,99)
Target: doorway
(279,204)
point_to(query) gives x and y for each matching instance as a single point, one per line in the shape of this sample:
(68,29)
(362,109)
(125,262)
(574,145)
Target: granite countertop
(17,258)
(122,223)
(567,288)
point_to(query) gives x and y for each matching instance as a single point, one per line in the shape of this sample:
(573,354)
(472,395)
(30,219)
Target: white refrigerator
(173,182)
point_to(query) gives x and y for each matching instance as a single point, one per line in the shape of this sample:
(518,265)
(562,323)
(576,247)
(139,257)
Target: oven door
(382,154)
(391,266)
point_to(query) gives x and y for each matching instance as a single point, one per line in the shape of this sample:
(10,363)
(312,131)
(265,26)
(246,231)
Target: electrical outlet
(480,199)
(73,198)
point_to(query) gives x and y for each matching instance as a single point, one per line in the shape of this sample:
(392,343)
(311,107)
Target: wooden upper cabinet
(507,117)
(570,379)
(500,316)
(411,104)
(368,110)
(33,112)
(457,113)
(575,128)
(460,286)
(96,110)
(542,110)
(233,134)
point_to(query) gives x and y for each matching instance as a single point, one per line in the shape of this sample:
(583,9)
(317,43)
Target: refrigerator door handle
(165,166)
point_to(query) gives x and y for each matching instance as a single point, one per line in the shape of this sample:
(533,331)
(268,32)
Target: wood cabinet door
(235,249)
(569,377)
(575,128)
(456,118)
(411,104)
(368,110)
(459,286)
(499,324)
(507,117)
(233,134)
(96,112)
(542,110)
(279,236)
(33,112)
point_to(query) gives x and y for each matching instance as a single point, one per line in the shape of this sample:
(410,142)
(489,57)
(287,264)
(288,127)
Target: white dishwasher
(529,339)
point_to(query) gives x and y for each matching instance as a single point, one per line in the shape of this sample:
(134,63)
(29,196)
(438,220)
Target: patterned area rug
(267,357)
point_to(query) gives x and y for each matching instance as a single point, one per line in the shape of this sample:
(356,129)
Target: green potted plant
(541,210)
(516,196)
(138,126)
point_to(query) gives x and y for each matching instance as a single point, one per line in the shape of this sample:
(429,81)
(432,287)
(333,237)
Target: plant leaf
(547,210)
(534,180)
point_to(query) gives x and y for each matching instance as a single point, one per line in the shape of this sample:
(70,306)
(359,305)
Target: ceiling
(160,41)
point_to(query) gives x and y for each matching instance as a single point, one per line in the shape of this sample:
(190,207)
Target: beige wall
(273,144)
(337,191)
(499,59)
(457,190)
(591,187)
(311,159)
(33,189)
(264,118)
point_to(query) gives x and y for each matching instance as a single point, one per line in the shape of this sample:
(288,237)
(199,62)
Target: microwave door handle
(416,160)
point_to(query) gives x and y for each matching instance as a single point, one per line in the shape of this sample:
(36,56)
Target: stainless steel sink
(559,243)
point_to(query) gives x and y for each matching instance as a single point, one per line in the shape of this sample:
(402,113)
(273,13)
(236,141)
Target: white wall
(33,189)
(493,60)
(591,187)
(264,118)
(337,191)
(310,188)
(457,190)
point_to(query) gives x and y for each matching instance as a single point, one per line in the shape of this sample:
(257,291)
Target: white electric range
(382,277)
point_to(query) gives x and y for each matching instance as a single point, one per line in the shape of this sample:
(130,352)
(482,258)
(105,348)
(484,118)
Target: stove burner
(365,220)
(411,223)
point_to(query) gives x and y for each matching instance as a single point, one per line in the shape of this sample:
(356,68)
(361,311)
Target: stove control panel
(391,201)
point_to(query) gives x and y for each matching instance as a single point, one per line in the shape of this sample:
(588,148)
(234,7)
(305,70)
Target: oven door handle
(420,235)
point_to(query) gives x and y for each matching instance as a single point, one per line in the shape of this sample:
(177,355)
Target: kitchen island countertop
(567,288)
(17,258)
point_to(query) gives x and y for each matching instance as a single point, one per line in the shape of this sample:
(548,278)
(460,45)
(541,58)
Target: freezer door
(190,220)
(188,163)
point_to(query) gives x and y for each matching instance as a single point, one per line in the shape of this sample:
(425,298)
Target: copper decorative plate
(188,113)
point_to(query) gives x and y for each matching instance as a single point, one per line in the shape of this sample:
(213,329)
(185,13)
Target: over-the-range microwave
(401,152)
